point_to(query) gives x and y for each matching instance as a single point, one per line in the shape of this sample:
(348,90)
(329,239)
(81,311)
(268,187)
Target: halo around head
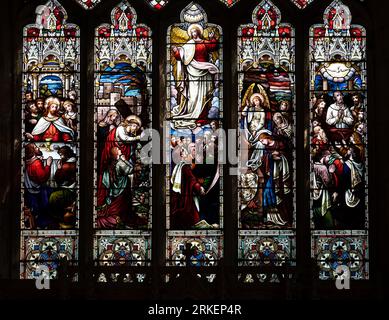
(195,26)
(257,95)
(134,119)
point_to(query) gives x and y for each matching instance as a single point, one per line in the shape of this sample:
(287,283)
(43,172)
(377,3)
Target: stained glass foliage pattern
(270,248)
(338,249)
(123,249)
(194,111)
(196,248)
(123,66)
(338,141)
(48,249)
(50,125)
(267,250)
(88,4)
(229,3)
(157,4)
(302,4)
(266,113)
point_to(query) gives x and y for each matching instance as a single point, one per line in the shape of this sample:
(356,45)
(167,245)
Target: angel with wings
(255,119)
(194,74)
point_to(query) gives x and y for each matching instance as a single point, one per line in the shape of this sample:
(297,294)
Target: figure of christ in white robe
(44,123)
(195,83)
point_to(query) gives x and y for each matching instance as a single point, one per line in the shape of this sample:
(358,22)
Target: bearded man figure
(51,127)
(114,183)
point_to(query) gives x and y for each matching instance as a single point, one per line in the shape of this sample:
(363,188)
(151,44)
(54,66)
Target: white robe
(356,178)
(195,83)
(332,117)
(43,124)
(255,160)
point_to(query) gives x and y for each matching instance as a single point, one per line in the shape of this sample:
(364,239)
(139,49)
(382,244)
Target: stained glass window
(229,3)
(88,4)
(123,66)
(193,142)
(302,4)
(338,144)
(50,164)
(194,113)
(266,113)
(157,4)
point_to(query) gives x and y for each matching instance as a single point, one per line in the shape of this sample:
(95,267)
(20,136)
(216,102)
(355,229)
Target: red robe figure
(51,127)
(194,76)
(122,139)
(184,204)
(36,191)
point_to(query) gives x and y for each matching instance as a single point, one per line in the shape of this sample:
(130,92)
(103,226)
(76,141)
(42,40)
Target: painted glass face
(123,67)
(338,144)
(194,113)
(50,125)
(266,117)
